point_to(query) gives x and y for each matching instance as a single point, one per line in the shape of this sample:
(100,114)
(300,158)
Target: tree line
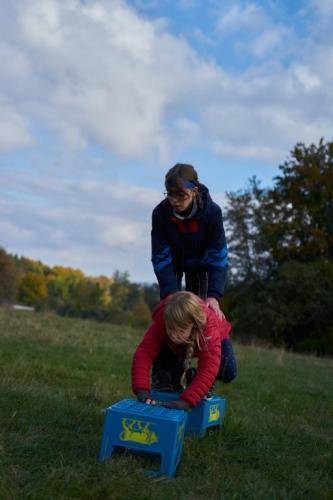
(280,243)
(281,254)
(69,292)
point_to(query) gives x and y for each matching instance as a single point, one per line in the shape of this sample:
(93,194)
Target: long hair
(183,310)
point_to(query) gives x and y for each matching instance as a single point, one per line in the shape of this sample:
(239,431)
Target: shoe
(162,382)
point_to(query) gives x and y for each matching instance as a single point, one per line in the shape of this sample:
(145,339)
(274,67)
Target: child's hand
(144,397)
(177,405)
(213,304)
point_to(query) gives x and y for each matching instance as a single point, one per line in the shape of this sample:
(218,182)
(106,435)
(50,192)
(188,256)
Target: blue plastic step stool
(208,413)
(145,428)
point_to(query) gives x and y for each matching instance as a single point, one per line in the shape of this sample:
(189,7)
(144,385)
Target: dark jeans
(228,366)
(195,281)
(167,361)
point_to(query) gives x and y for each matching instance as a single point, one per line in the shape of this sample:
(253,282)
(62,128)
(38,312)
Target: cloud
(99,73)
(84,223)
(268,40)
(14,128)
(253,30)
(250,17)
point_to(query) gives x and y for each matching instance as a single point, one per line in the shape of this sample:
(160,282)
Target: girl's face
(181,200)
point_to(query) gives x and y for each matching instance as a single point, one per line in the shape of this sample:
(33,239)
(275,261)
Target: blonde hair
(182,310)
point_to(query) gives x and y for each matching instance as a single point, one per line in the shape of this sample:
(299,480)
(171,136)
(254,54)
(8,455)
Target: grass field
(57,375)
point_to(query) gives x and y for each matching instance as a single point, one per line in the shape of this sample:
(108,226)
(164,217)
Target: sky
(99,98)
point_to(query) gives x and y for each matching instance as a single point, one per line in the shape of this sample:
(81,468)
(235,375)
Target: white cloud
(79,223)
(268,40)
(247,151)
(256,30)
(307,79)
(250,17)
(14,128)
(100,73)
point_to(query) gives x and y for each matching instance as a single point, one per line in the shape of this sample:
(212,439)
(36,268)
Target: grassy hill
(57,375)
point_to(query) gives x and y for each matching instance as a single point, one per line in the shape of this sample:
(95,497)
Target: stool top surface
(144,409)
(171,396)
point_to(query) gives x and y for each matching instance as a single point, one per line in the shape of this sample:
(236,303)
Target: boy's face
(181,200)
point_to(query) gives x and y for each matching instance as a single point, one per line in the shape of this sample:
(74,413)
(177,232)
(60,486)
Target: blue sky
(100,98)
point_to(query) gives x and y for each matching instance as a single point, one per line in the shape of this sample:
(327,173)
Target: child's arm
(217,255)
(145,355)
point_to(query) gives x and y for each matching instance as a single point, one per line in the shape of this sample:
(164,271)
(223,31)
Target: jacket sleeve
(209,360)
(162,258)
(145,355)
(217,256)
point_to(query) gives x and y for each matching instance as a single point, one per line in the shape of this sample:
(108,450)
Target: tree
(60,283)
(32,289)
(300,225)
(26,265)
(9,277)
(243,219)
(281,245)
(293,308)
(85,299)
(151,294)
(125,299)
(140,315)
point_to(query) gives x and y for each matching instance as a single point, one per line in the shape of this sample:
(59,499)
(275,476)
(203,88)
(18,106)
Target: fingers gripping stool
(208,413)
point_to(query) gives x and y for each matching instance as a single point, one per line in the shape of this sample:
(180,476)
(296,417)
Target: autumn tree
(85,299)
(140,316)
(60,283)
(32,289)
(126,297)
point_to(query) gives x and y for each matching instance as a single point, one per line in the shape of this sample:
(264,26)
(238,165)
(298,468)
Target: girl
(188,328)
(188,238)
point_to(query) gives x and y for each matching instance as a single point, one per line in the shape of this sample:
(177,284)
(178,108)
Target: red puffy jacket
(209,357)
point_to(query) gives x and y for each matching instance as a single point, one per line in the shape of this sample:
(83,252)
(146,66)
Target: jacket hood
(206,199)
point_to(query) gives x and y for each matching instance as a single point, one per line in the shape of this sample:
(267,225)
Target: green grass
(57,375)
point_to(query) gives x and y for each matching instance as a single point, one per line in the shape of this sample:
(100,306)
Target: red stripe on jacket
(209,357)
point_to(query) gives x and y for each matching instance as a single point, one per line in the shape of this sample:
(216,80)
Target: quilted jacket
(209,357)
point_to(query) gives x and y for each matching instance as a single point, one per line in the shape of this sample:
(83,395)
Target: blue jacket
(193,244)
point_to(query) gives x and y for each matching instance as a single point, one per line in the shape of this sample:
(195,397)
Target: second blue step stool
(208,413)
(146,428)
